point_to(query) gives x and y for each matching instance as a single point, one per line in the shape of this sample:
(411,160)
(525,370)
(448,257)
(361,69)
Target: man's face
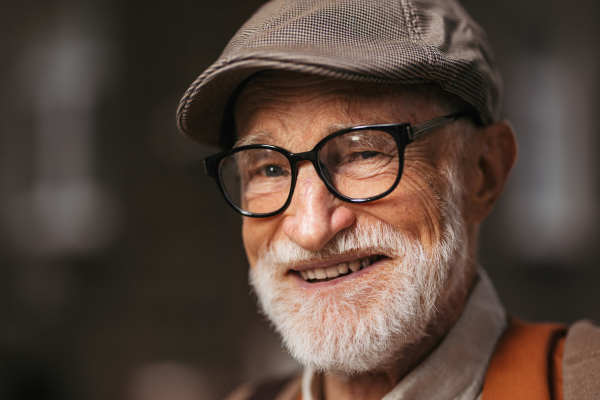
(411,243)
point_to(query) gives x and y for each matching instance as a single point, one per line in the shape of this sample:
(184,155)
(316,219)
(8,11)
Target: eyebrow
(261,137)
(264,137)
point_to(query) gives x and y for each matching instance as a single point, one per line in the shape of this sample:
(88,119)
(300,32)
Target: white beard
(364,324)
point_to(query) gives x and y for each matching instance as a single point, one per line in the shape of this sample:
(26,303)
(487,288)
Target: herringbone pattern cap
(393,41)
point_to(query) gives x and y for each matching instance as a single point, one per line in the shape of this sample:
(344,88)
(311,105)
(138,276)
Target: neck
(375,385)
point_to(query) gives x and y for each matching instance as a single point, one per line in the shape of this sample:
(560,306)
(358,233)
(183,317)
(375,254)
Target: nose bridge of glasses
(312,156)
(305,156)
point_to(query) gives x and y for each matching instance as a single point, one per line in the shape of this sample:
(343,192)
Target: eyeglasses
(357,165)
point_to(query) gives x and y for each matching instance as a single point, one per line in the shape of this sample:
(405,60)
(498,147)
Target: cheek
(414,207)
(257,233)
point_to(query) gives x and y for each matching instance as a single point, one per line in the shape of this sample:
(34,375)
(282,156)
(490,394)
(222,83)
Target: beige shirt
(456,369)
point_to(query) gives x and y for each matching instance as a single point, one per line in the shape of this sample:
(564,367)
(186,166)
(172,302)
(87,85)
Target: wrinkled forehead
(277,107)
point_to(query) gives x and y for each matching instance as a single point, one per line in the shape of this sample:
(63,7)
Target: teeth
(320,273)
(332,272)
(336,270)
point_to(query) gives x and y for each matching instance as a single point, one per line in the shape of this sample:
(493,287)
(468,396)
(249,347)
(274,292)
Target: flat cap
(388,41)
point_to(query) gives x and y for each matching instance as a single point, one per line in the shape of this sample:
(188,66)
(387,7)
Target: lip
(322,285)
(331,261)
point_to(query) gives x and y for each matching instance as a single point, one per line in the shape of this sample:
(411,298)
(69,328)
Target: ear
(489,161)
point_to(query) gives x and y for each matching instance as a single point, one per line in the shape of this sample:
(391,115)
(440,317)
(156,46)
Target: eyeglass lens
(359,165)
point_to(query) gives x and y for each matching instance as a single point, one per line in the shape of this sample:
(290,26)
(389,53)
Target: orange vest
(527,363)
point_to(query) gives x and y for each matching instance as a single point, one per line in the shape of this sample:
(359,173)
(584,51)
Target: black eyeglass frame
(403,134)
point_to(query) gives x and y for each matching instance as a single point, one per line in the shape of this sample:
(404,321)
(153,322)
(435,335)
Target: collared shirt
(456,369)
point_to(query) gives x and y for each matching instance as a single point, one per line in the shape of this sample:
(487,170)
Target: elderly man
(364,151)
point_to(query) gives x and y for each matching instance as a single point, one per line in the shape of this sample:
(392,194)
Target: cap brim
(202,108)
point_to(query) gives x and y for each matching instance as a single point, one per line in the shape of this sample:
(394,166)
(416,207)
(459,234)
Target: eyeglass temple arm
(425,127)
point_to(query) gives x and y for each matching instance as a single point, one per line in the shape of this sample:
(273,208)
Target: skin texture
(296,111)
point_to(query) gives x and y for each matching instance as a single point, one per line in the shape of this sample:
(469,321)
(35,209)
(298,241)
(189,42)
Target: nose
(314,215)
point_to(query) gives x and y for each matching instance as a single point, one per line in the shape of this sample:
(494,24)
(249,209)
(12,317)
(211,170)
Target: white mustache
(376,238)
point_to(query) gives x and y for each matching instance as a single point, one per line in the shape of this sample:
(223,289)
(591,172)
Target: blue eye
(273,171)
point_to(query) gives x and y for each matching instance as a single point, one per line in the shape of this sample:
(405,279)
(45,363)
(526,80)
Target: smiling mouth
(331,272)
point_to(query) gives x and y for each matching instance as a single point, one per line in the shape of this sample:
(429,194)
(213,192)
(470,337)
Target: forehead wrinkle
(325,114)
(384,104)
(326,107)
(268,110)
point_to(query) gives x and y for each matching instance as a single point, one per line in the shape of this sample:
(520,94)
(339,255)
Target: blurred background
(122,273)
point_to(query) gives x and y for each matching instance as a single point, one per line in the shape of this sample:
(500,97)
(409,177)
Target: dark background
(122,274)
